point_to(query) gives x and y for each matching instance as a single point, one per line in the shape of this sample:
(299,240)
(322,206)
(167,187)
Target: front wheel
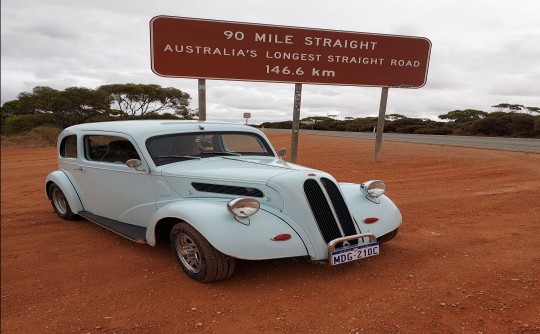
(60,204)
(388,236)
(199,260)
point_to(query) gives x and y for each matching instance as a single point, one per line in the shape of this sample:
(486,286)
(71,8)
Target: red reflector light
(371,220)
(281,237)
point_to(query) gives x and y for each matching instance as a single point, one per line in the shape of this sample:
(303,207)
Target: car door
(107,186)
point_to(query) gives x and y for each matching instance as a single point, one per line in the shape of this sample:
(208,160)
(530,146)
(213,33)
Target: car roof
(147,128)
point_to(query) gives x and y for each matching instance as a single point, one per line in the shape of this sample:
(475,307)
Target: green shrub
(433,131)
(42,136)
(23,123)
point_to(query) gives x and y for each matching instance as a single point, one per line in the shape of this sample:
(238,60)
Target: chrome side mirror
(282,152)
(134,163)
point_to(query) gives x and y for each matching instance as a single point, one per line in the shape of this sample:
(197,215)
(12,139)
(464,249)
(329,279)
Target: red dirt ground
(467,259)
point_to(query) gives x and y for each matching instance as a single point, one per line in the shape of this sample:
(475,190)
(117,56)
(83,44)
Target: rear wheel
(388,236)
(60,204)
(200,260)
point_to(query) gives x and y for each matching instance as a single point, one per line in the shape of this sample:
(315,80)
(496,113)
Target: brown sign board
(209,49)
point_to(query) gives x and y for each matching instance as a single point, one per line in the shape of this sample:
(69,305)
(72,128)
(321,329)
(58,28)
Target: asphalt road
(498,143)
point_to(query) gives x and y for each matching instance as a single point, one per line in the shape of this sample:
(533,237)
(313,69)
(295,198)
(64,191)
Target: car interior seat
(119,151)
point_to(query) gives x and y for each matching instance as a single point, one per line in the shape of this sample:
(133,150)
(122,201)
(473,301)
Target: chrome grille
(345,219)
(322,212)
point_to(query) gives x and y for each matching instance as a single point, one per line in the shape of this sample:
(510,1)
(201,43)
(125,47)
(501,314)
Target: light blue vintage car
(219,191)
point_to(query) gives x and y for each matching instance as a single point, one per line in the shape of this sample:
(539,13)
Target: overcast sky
(484,52)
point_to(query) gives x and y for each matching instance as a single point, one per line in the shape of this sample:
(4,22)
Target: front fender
(61,180)
(361,208)
(248,239)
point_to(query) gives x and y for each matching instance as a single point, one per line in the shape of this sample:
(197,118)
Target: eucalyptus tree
(463,116)
(66,107)
(145,99)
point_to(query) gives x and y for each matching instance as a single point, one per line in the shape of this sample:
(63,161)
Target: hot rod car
(219,191)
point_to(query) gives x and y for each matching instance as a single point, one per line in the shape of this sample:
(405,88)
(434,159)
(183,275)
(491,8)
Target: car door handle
(78,168)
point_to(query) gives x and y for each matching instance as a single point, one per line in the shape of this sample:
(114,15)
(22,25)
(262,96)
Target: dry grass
(44,136)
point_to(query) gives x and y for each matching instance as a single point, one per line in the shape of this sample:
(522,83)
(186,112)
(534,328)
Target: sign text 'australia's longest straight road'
(197,48)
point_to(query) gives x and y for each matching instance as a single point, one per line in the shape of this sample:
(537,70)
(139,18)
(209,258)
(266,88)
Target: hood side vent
(229,190)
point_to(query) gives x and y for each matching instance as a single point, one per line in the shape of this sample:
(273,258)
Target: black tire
(60,204)
(197,258)
(388,236)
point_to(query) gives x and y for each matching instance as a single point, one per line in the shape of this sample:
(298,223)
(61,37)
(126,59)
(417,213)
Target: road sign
(247,115)
(209,49)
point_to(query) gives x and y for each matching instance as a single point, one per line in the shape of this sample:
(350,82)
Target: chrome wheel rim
(59,200)
(188,253)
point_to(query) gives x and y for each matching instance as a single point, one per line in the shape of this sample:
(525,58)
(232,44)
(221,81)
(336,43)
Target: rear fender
(248,239)
(61,180)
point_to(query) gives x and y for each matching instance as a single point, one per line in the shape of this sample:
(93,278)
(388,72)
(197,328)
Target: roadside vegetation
(508,120)
(35,118)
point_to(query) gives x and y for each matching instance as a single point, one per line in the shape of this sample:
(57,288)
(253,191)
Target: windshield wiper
(221,153)
(173,156)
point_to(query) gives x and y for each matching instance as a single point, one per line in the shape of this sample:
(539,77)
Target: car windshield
(189,146)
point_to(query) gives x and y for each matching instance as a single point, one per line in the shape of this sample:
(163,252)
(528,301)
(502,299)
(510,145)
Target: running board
(132,232)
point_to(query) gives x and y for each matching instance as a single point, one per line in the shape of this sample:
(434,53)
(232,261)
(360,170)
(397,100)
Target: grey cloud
(483,53)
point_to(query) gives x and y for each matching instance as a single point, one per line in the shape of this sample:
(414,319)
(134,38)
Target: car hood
(274,182)
(231,169)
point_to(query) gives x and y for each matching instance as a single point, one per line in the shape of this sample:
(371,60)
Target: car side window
(68,147)
(112,149)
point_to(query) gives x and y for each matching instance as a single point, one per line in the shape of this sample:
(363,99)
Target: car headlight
(374,188)
(243,207)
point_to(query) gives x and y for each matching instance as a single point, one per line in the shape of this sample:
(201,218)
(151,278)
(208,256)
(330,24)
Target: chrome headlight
(243,207)
(374,188)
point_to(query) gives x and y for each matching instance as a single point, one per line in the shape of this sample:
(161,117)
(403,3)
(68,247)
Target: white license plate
(353,253)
